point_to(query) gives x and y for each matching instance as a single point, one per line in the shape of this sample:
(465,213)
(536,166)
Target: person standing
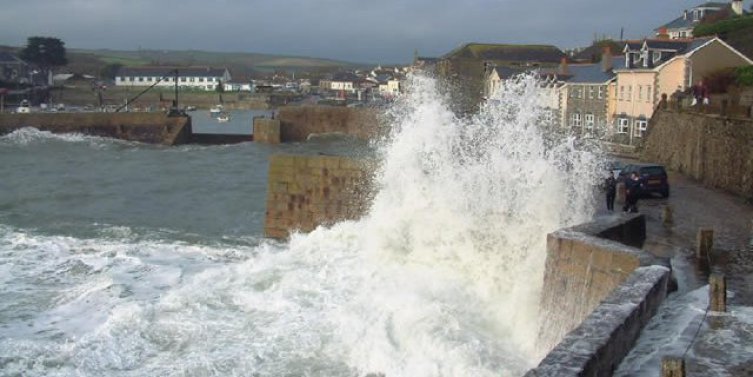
(633,187)
(611,187)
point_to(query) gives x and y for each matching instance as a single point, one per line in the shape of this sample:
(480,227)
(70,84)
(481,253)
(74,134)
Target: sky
(365,31)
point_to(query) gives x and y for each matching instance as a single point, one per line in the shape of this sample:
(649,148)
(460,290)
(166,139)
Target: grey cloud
(355,30)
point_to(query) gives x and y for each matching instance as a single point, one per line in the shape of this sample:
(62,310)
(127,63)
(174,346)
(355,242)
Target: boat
(24,107)
(216,110)
(223,117)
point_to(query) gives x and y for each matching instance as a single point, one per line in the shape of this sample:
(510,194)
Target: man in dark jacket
(633,188)
(611,187)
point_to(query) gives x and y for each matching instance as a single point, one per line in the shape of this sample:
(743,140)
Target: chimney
(606,59)
(564,71)
(737,7)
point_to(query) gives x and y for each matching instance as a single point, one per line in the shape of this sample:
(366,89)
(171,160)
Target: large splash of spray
(458,231)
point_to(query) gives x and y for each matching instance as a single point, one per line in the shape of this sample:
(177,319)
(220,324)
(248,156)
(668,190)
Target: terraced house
(200,78)
(656,67)
(587,107)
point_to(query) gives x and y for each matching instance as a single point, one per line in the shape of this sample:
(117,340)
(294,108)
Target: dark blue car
(653,176)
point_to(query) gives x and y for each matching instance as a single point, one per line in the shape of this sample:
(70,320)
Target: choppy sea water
(126,259)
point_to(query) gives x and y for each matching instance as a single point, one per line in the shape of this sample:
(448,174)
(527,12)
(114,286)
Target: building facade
(682,27)
(200,78)
(657,68)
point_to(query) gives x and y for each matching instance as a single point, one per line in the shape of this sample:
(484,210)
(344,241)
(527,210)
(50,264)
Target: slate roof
(345,76)
(507,52)
(169,71)
(685,23)
(507,72)
(593,73)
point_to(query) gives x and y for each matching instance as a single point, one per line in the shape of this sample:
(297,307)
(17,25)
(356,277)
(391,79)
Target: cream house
(661,67)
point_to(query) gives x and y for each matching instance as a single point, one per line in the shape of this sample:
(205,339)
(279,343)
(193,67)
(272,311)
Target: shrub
(744,76)
(723,27)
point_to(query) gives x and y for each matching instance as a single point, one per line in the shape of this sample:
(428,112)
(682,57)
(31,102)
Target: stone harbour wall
(598,345)
(153,128)
(298,122)
(307,191)
(585,266)
(267,130)
(713,149)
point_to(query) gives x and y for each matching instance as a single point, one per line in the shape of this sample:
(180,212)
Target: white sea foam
(30,135)
(441,278)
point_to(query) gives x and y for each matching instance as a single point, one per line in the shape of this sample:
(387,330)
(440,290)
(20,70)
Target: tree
(45,53)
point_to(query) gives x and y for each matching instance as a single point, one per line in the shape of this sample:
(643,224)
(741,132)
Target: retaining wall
(599,291)
(307,191)
(297,123)
(154,128)
(715,150)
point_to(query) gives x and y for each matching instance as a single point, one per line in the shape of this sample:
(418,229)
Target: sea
(126,259)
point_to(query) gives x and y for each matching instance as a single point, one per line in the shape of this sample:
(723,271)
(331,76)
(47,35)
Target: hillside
(103,62)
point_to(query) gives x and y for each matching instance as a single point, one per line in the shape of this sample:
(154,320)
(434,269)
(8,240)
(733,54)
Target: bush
(744,76)
(723,27)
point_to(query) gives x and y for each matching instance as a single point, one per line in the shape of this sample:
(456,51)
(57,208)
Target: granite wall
(307,191)
(298,122)
(154,128)
(713,149)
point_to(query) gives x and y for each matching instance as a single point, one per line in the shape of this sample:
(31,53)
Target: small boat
(223,117)
(24,107)
(216,110)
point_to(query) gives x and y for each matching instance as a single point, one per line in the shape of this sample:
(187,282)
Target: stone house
(586,93)
(682,27)
(654,68)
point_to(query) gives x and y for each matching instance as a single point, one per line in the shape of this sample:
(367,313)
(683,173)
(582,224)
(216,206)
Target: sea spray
(440,278)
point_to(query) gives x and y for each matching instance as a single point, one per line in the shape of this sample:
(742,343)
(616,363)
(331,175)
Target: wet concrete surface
(717,344)
(695,207)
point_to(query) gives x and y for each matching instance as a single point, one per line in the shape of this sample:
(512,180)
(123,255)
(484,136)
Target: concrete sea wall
(713,149)
(297,123)
(154,128)
(307,191)
(599,291)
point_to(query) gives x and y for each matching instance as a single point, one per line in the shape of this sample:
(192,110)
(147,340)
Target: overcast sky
(373,31)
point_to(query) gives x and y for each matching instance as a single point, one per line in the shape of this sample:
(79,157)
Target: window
(182,79)
(576,120)
(640,127)
(622,125)
(629,93)
(589,120)
(649,95)
(622,92)
(201,79)
(192,79)
(141,79)
(601,92)
(591,92)
(640,91)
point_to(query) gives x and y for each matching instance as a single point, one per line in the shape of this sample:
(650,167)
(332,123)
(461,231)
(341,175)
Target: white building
(202,78)
(682,27)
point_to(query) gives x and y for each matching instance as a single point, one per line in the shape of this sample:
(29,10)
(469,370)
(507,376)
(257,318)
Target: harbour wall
(153,128)
(716,150)
(297,123)
(304,192)
(600,288)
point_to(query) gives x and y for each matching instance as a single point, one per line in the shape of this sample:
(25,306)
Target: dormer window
(657,56)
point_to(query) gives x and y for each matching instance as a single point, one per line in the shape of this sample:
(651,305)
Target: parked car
(654,177)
